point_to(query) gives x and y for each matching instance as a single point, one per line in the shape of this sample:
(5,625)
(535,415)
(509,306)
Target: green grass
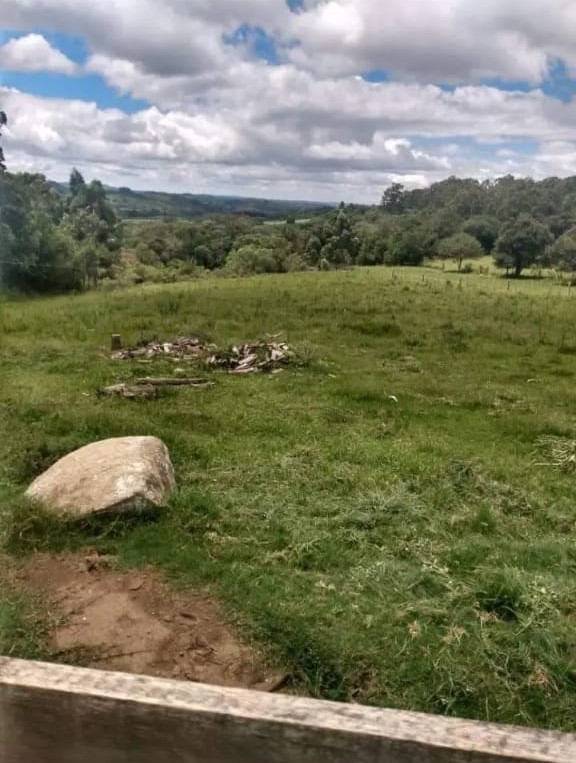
(414,554)
(22,626)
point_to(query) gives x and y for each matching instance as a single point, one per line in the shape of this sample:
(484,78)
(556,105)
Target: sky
(324,100)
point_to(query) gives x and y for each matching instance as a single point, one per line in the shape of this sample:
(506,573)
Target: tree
(92,223)
(38,249)
(562,253)
(512,197)
(77,184)
(374,238)
(332,241)
(3,123)
(37,254)
(312,249)
(484,229)
(7,245)
(521,244)
(393,199)
(408,246)
(445,223)
(460,247)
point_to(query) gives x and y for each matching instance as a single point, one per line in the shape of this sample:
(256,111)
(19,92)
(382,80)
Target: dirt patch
(131,621)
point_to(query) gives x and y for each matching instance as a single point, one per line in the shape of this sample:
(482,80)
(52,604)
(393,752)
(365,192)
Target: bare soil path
(131,621)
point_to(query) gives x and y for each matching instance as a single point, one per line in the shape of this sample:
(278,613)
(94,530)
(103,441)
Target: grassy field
(394,517)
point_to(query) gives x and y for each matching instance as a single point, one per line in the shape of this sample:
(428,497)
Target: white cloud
(160,37)
(296,141)
(431,40)
(385,154)
(436,40)
(33,53)
(221,120)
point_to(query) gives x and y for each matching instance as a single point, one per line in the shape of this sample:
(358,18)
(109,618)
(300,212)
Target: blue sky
(84,86)
(319,100)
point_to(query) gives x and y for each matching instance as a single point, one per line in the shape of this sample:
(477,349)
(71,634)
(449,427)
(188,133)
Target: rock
(122,475)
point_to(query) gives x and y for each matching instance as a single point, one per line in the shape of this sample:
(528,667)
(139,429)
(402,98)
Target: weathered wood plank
(59,714)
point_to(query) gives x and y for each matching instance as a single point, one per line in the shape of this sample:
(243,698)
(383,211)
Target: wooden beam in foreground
(59,714)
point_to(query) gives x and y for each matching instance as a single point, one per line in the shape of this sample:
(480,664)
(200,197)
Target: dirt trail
(131,621)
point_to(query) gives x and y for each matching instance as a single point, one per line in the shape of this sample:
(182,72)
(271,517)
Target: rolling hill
(131,204)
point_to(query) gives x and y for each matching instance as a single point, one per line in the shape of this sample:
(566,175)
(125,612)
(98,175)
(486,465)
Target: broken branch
(170,382)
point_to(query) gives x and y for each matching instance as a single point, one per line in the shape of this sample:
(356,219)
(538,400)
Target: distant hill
(131,204)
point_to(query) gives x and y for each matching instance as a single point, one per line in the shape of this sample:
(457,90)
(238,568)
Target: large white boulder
(122,475)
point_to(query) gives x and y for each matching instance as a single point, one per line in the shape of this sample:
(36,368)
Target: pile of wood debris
(267,355)
(183,348)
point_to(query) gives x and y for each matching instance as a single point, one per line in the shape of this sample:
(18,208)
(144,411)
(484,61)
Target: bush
(294,262)
(251,260)
(408,247)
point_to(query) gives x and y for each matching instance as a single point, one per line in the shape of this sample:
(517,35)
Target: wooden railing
(59,714)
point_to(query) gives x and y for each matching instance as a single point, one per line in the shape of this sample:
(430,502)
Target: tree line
(520,221)
(52,241)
